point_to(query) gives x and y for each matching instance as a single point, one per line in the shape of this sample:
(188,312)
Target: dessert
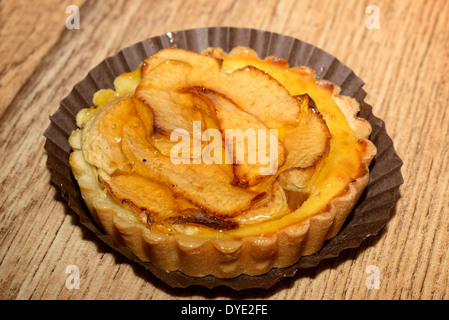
(158,164)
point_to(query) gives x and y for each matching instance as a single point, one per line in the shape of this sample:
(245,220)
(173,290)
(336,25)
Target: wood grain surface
(405,65)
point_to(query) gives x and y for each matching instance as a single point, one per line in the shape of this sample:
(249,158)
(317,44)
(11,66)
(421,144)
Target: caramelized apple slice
(101,135)
(306,148)
(253,90)
(242,99)
(244,145)
(171,110)
(205,185)
(154,199)
(275,206)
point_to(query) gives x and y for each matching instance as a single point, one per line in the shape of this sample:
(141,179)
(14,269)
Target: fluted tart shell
(220,219)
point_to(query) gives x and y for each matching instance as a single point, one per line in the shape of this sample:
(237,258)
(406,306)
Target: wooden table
(405,65)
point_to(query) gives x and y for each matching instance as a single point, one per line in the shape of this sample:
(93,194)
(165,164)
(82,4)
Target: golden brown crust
(224,256)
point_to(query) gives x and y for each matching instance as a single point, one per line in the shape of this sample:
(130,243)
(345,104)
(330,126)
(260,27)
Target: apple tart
(219,163)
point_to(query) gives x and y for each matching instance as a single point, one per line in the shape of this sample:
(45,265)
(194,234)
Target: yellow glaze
(345,157)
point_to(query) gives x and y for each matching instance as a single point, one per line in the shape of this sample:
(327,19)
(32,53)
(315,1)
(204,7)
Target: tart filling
(221,164)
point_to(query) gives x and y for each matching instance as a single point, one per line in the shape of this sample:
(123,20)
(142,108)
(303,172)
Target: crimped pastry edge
(223,257)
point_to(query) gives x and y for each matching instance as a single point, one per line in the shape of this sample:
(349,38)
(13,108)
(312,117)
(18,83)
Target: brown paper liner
(371,212)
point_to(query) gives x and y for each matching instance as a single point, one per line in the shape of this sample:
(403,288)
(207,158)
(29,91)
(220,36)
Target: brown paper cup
(371,212)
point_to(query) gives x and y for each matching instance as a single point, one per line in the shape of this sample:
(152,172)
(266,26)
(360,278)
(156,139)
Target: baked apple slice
(247,98)
(205,185)
(247,140)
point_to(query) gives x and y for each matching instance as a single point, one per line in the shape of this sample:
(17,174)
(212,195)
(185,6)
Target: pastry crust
(222,253)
